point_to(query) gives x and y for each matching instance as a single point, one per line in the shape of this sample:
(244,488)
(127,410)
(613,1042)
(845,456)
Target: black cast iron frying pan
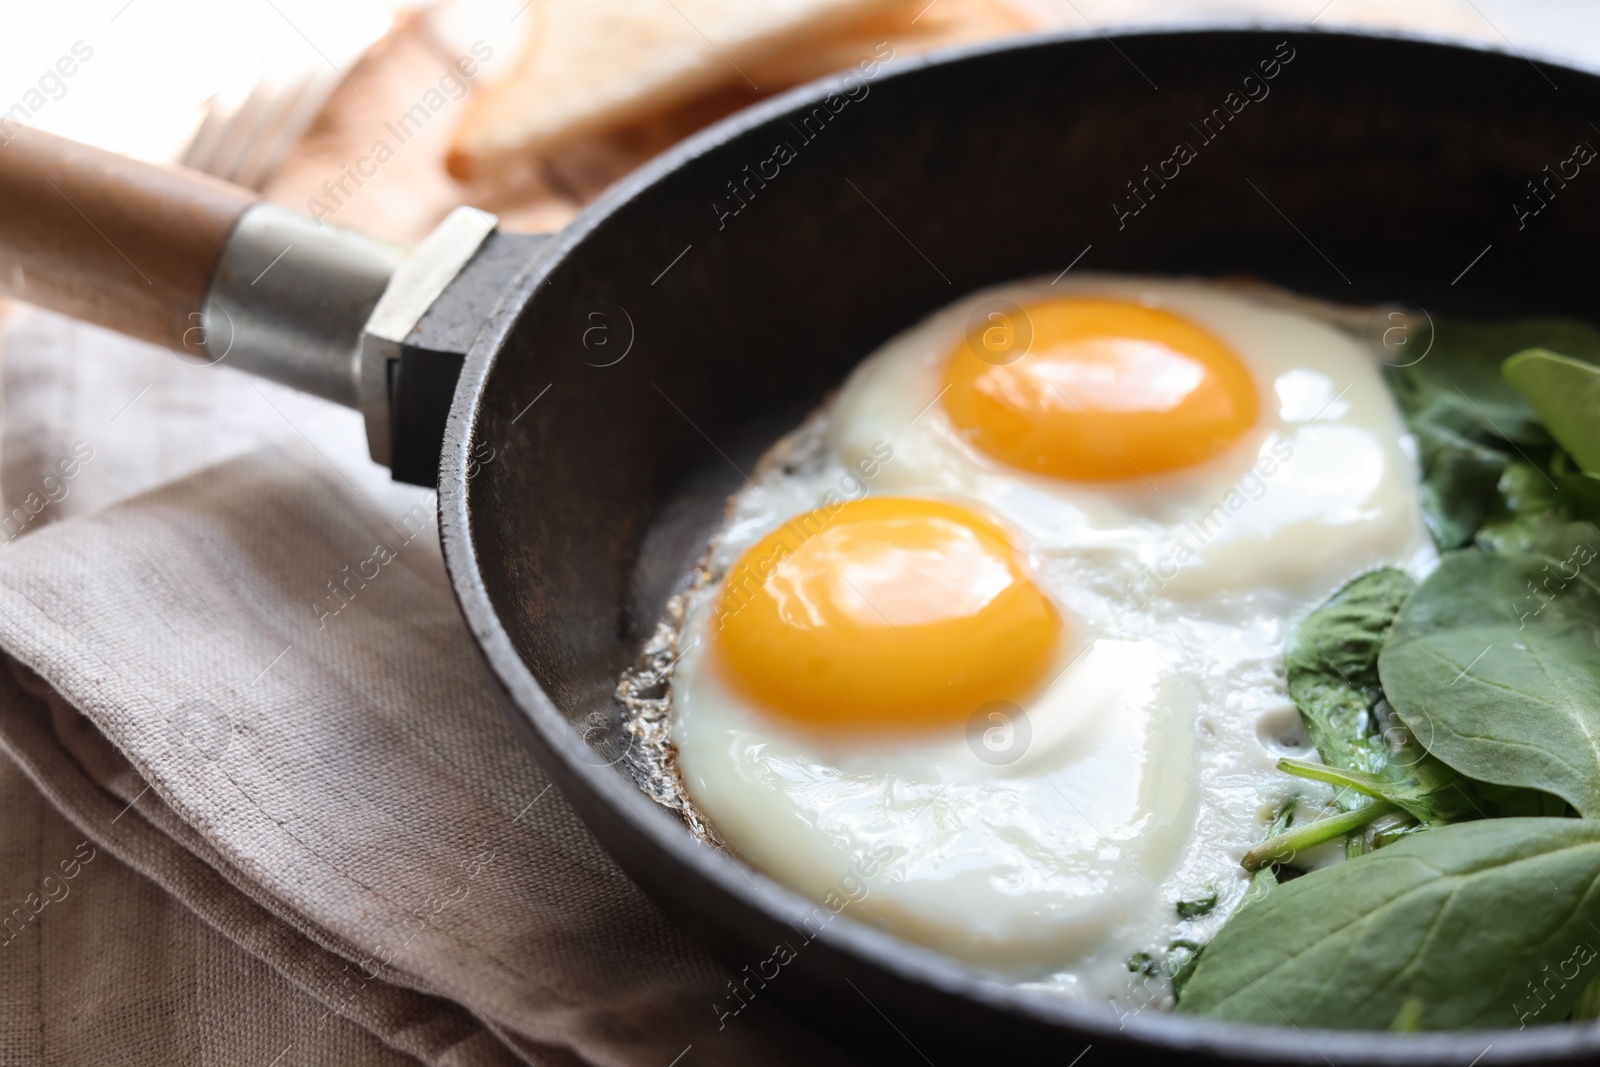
(1376,168)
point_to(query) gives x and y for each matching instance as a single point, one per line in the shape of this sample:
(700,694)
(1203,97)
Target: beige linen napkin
(311,830)
(65,989)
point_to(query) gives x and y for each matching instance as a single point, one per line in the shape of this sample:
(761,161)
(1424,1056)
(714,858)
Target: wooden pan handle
(108,239)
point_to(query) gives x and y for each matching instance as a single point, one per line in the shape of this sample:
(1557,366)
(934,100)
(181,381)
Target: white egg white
(1053,841)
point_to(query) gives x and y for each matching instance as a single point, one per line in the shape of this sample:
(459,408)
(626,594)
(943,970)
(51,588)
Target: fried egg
(1192,438)
(988,654)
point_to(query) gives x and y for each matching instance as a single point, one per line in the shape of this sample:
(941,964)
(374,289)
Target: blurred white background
(155,62)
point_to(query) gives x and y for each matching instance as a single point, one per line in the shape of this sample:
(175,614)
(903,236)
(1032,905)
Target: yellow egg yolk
(883,614)
(1097,389)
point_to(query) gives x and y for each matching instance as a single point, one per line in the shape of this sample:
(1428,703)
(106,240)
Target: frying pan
(578,483)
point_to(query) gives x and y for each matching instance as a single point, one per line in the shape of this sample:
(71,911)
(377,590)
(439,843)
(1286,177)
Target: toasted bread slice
(590,66)
(528,125)
(585,166)
(911,27)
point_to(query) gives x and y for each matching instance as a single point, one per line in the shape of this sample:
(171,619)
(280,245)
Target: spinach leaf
(1461,469)
(1494,665)
(1332,664)
(1182,956)
(1462,369)
(1565,392)
(1580,491)
(1588,1003)
(1430,791)
(1484,924)
(1504,801)
(1284,816)
(1532,503)
(1468,420)
(1409,1018)
(1286,847)
(1192,907)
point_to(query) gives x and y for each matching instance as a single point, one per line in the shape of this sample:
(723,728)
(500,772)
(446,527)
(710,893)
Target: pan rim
(908,962)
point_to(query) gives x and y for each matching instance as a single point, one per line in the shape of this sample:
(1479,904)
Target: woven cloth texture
(313,837)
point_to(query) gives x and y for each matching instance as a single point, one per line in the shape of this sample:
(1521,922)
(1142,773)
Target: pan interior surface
(705,305)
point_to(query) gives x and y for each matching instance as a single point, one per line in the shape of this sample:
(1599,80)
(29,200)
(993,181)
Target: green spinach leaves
(1332,664)
(1483,924)
(1459,722)
(1494,665)
(1566,394)
(1470,421)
